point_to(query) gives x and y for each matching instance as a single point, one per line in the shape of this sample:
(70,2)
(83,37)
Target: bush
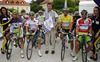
(11,9)
(23,11)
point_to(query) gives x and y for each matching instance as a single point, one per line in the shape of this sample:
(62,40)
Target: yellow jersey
(66,21)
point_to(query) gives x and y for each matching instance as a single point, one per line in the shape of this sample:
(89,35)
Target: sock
(38,50)
(77,55)
(21,51)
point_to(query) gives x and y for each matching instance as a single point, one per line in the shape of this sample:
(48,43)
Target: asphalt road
(15,57)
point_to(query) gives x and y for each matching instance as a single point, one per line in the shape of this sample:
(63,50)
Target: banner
(48,25)
(97,2)
(0,32)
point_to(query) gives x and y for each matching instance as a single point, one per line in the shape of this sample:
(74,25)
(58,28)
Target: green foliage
(39,1)
(35,7)
(11,9)
(58,5)
(23,11)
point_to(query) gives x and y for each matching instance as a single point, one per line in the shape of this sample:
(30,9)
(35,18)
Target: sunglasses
(83,13)
(31,15)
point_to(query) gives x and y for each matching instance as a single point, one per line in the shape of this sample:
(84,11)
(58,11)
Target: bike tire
(42,39)
(84,50)
(9,50)
(29,49)
(63,50)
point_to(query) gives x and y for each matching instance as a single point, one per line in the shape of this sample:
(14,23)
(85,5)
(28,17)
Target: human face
(65,13)
(84,15)
(96,12)
(15,15)
(4,11)
(40,13)
(76,14)
(49,7)
(31,16)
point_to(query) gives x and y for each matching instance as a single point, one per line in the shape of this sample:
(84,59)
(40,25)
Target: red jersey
(84,25)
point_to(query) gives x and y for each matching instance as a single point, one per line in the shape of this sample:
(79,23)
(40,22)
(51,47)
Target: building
(15,4)
(44,4)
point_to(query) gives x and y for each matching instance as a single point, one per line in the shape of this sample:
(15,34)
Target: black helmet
(84,11)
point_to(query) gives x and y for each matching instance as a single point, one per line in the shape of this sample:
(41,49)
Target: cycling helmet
(76,12)
(65,9)
(31,12)
(84,11)
(14,11)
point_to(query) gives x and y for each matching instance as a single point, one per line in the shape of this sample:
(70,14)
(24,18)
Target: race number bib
(65,23)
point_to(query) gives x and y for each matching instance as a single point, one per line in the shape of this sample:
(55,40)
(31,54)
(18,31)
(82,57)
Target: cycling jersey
(83,25)
(14,23)
(75,19)
(40,19)
(32,23)
(66,21)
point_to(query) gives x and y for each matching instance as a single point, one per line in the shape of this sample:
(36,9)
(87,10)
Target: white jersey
(32,23)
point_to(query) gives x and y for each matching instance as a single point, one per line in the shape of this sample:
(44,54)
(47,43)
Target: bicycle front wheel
(29,49)
(9,50)
(63,50)
(84,52)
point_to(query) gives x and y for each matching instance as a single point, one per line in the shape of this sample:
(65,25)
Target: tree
(23,11)
(35,7)
(39,1)
(11,9)
(58,5)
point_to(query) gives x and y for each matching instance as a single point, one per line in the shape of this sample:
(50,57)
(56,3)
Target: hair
(49,3)
(2,12)
(98,9)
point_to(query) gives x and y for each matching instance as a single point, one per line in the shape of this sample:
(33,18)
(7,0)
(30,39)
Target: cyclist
(83,26)
(33,25)
(57,27)
(15,26)
(76,17)
(66,22)
(40,18)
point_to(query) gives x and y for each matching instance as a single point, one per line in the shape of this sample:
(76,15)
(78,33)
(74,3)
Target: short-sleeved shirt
(52,14)
(15,22)
(32,23)
(75,19)
(84,25)
(40,19)
(66,21)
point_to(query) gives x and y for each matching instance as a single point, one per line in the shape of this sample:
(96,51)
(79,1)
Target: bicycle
(42,35)
(10,44)
(64,41)
(83,46)
(30,44)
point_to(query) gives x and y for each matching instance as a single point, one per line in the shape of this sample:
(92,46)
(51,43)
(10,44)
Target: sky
(29,0)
